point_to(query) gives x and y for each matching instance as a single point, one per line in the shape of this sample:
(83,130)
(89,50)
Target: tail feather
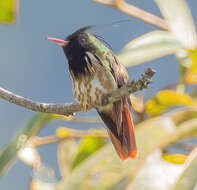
(129,132)
(121,129)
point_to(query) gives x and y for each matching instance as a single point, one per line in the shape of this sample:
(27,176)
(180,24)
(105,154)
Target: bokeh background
(37,69)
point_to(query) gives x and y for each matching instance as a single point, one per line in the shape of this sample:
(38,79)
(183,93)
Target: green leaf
(148,47)
(165,99)
(8,154)
(87,147)
(180,21)
(8,10)
(188,179)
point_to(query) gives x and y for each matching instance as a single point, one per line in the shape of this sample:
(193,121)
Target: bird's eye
(82,40)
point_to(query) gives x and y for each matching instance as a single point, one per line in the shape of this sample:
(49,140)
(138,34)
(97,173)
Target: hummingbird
(95,71)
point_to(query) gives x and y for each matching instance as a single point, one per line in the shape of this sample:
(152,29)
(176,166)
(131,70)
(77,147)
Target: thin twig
(39,141)
(70,133)
(70,108)
(131,87)
(135,12)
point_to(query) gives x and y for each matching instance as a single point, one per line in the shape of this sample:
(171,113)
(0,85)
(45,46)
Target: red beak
(58,41)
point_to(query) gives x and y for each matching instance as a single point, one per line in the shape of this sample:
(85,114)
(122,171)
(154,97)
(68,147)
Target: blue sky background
(37,69)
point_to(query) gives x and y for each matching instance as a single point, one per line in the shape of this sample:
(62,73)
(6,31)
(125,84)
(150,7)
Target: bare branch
(135,12)
(70,108)
(62,109)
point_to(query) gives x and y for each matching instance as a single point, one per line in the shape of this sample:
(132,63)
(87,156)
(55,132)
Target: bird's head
(78,46)
(78,43)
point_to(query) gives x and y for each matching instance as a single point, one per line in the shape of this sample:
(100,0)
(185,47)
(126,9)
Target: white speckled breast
(89,90)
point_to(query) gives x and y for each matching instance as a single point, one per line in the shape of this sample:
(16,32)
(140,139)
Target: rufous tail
(121,129)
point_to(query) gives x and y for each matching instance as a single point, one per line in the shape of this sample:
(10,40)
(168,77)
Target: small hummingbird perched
(95,71)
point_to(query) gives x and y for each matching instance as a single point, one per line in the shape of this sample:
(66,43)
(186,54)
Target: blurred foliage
(9,153)
(165,99)
(86,161)
(191,76)
(175,158)
(8,9)
(148,47)
(87,147)
(188,179)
